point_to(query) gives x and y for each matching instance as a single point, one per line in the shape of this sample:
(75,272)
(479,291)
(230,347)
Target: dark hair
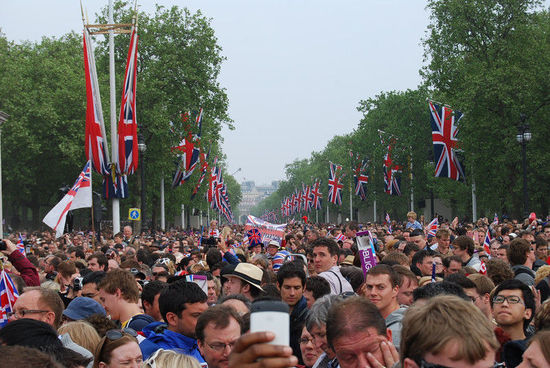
(439,288)
(461,280)
(25,357)
(213,256)
(354,275)
(402,273)
(101,260)
(93,277)
(410,247)
(447,260)
(419,258)
(527,295)
(417,232)
(177,294)
(101,323)
(354,314)
(54,261)
(31,333)
(465,242)
(498,270)
(151,289)
(290,270)
(220,316)
(518,251)
(383,269)
(352,225)
(331,245)
(318,285)
(239,297)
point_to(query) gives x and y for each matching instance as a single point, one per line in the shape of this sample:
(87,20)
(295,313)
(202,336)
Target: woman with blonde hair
(169,358)
(82,333)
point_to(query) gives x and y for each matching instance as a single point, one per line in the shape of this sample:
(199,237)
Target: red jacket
(25,267)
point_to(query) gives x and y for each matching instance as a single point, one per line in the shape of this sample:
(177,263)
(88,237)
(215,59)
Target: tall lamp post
(142,147)
(524,136)
(3,118)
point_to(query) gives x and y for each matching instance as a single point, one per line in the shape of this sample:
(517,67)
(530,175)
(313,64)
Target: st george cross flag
(79,196)
(334,185)
(431,229)
(8,297)
(444,135)
(487,243)
(127,123)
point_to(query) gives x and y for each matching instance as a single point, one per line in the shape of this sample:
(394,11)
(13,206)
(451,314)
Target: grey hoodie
(393,322)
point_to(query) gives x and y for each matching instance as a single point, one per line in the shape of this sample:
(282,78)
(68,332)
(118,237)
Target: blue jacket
(158,336)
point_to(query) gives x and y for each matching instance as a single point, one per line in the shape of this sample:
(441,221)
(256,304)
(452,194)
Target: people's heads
(433,289)
(521,252)
(117,288)
(417,237)
(538,351)
(82,333)
(273,247)
(317,319)
(502,252)
(482,293)
(30,332)
(217,330)
(246,279)
(498,270)
(170,358)
(542,248)
(150,298)
(98,262)
(443,237)
(494,246)
(451,265)
(542,318)
(355,328)
(39,304)
(127,231)
(407,283)
(316,287)
(51,263)
(350,229)
(118,349)
(291,280)
(325,254)
(513,304)
(422,262)
(382,287)
(81,308)
(90,284)
(448,331)
(238,302)
(181,304)
(463,247)
(411,216)
(25,357)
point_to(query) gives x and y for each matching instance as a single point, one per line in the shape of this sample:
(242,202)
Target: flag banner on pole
(20,245)
(367,253)
(487,243)
(96,147)
(204,169)
(431,229)
(361,179)
(444,123)
(8,297)
(79,196)
(334,185)
(317,196)
(127,123)
(117,188)
(392,182)
(388,222)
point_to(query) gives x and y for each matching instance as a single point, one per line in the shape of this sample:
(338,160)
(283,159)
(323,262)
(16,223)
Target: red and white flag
(79,196)
(127,124)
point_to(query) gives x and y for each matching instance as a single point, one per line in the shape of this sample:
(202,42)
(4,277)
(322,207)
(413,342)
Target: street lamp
(524,136)
(3,118)
(142,147)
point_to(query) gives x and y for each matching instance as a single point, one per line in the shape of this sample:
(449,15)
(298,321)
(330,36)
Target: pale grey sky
(295,70)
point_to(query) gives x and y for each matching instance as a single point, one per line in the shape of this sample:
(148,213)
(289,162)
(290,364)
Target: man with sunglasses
(217,331)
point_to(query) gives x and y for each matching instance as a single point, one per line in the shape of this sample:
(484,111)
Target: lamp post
(142,147)
(524,136)
(3,118)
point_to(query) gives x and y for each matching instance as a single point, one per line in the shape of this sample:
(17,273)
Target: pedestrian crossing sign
(134,214)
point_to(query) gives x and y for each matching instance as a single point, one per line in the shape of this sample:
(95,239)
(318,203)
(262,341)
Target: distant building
(252,195)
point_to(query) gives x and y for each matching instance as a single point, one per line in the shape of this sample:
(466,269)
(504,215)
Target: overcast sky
(295,70)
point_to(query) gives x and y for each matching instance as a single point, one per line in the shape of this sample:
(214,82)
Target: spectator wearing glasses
(90,284)
(513,306)
(447,331)
(310,353)
(217,330)
(161,269)
(118,349)
(521,255)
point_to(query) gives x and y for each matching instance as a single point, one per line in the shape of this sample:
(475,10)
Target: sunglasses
(156,274)
(117,334)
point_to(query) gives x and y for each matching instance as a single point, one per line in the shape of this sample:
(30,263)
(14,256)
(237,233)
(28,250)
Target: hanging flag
(8,297)
(204,169)
(309,198)
(388,221)
(431,229)
(334,185)
(444,123)
(487,243)
(188,161)
(96,147)
(79,196)
(127,123)
(392,182)
(316,195)
(495,219)
(361,179)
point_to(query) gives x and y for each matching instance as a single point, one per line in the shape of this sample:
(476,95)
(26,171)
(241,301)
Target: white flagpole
(162,214)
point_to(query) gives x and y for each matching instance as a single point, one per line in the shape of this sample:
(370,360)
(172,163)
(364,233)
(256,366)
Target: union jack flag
(361,180)
(495,219)
(432,227)
(295,202)
(204,169)
(316,195)
(188,160)
(8,297)
(444,135)
(254,237)
(392,183)
(334,185)
(127,123)
(309,199)
(20,245)
(487,243)
(388,221)
(96,147)
(340,237)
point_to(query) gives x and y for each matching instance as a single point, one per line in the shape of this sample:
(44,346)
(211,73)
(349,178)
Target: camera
(3,245)
(77,284)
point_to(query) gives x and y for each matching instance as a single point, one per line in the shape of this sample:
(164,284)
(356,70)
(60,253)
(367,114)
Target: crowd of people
(183,298)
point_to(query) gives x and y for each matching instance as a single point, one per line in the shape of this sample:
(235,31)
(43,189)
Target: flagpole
(162,214)
(411,177)
(114,137)
(93,223)
(474,201)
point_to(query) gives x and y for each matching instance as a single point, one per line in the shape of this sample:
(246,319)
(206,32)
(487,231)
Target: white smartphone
(271,315)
